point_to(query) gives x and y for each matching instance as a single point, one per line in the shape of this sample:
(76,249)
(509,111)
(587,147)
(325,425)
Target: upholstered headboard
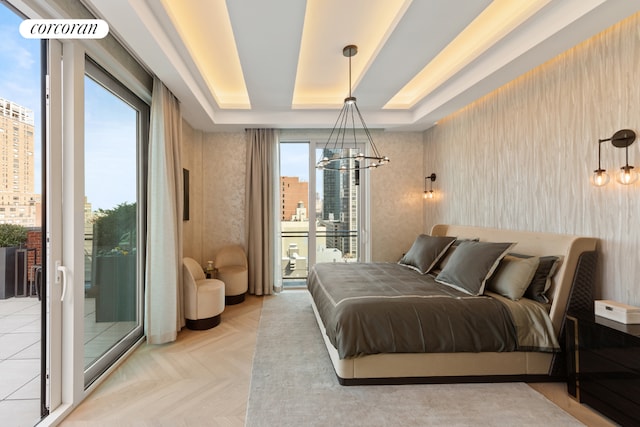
(571,248)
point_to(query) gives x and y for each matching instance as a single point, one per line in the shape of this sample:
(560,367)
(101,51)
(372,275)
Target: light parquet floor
(203,379)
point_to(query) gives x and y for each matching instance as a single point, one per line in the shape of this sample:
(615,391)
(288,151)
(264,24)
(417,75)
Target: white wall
(521,157)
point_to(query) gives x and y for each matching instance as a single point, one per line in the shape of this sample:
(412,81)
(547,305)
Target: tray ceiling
(279,63)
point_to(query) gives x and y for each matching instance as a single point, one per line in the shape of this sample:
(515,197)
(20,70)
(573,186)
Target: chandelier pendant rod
(350,56)
(335,156)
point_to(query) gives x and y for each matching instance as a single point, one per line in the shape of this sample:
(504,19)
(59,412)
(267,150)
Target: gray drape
(261,219)
(163,279)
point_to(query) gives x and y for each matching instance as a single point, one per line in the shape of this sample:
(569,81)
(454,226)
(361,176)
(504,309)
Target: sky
(294,160)
(19,64)
(110,148)
(110,151)
(20,74)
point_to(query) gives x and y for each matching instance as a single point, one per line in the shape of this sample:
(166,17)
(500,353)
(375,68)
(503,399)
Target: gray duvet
(370,308)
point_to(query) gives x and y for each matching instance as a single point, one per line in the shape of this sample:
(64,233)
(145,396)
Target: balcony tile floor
(20,355)
(20,361)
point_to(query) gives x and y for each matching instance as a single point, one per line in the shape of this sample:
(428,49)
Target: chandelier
(337,153)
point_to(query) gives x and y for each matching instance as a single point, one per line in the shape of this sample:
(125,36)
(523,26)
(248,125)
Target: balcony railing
(331,246)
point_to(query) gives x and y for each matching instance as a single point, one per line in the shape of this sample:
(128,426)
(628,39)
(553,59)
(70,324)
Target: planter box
(116,285)
(7,272)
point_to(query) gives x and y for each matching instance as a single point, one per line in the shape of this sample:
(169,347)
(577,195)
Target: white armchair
(203,298)
(231,267)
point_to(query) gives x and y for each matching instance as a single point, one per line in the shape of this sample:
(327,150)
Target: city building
(340,207)
(18,202)
(293,192)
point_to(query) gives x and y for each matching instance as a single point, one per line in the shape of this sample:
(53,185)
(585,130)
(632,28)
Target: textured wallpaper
(216,163)
(192,161)
(397,195)
(223,175)
(521,157)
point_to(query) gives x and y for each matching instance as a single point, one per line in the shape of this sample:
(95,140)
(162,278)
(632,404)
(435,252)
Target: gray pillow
(513,275)
(542,278)
(425,252)
(445,258)
(471,265)
(541,281)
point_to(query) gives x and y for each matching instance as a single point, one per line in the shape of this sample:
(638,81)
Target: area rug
(293,384)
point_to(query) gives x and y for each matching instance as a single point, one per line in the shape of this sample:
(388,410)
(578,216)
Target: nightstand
(603,363)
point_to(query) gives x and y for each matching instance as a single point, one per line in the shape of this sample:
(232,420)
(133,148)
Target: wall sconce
(428,194)
(621,139)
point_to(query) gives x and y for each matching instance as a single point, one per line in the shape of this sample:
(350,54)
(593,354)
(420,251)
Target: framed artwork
(185,201)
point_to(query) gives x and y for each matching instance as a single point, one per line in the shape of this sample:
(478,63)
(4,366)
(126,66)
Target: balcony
(331,246)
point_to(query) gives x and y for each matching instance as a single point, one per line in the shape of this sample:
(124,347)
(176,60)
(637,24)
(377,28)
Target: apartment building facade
(18,202)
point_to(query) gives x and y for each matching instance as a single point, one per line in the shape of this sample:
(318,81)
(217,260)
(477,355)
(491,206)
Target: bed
(386,323)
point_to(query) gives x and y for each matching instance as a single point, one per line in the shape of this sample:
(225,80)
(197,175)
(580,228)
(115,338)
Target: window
(116,123)
(330,222)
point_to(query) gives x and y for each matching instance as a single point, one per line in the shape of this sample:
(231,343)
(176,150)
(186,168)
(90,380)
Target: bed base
(469,379)
(434,368)
(574,289)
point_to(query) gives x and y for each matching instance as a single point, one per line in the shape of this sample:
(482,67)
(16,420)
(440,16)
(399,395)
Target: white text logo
(64,28)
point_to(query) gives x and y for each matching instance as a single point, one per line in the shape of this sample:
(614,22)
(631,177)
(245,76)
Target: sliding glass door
(297,213)
(73,145)
(323,213)
(114,141)
(97,133)
(21,219)
(338,220)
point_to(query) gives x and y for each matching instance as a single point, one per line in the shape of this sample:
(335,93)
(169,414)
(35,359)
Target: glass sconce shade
(428,192)
(600,177)
(627,175)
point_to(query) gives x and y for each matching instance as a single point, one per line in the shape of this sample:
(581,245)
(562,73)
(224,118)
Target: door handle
(65,271)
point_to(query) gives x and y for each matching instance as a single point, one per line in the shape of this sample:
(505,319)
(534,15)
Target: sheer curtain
(261,225)
(163,285)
